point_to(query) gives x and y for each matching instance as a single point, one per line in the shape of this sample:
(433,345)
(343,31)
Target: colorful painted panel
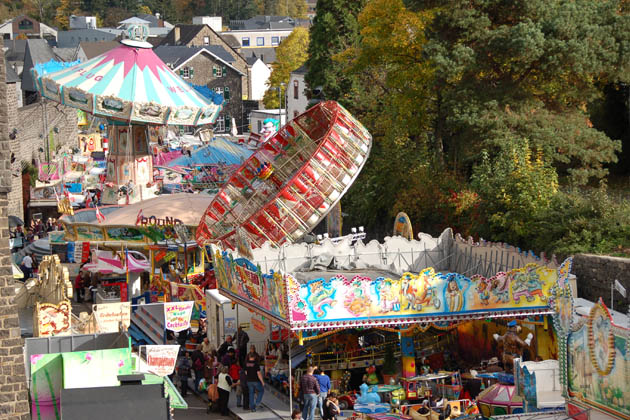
(241,280)
(97,368)
(52,320)
(89,233)
(46,384)
(413,297)
(598,362)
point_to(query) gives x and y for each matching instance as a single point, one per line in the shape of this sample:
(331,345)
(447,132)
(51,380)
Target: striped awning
(128,83)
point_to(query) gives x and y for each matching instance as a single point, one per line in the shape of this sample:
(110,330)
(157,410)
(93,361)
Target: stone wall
(13,390)
(595,275)
(29,123)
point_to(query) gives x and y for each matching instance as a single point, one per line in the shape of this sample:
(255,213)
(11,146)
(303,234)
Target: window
(296,91)
(206,40)
(226,94)
(275,41)
(219,90)
(216,71)
(25,24)
(186,72)
(283,38)
(219,124)
(245,41)
(260,41)
(259,126)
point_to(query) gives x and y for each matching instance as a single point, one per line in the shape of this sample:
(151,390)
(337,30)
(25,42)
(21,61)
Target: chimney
(176,35)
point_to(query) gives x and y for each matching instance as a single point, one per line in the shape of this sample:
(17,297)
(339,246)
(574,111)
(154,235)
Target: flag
(99,216)
(619,287)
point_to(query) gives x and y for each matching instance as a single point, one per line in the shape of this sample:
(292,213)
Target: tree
(526,68)
(290,55)
(335,28)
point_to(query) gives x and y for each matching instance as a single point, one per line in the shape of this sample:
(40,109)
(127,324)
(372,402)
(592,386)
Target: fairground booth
(390,341)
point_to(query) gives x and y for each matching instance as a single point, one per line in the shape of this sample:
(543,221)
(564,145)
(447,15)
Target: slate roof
(267,55)
(267,22)
(301,70)
(175,55)
(231,40)
(94,49)
(37,51)
(16,49)
(66,54)
(134,21)
(12,76)
(186,34)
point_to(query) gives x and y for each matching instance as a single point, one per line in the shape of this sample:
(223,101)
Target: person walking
(225,386)
(309,388)
(183,371)
(242,374)
(324,388)
(255,382)
(27,266)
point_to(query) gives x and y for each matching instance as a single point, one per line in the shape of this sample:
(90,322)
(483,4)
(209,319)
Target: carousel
(134,91)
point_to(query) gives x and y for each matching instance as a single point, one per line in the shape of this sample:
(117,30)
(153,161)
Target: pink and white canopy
(110,263)
(129,83)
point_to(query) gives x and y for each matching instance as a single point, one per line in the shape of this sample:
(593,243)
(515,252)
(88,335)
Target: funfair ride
(133,89)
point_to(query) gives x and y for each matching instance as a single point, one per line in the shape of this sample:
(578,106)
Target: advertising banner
(177,315)
(241,280)
(110,316)
(161,359)
(340,301)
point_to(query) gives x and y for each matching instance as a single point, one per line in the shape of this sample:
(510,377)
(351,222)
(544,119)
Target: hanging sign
(110,316)
(161,359)
(177,315)
(259,325)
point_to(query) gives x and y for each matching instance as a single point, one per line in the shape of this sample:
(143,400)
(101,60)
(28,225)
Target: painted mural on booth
(418,295)
(241,279)
(598,361)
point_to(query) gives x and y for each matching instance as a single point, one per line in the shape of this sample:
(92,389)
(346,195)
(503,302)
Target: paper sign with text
(161,359)
(177,315)
(109,316)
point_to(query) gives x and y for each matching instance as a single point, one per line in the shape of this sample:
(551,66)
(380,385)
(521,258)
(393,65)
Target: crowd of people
(229,369)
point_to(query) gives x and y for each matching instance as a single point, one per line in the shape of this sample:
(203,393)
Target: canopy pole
(290,374)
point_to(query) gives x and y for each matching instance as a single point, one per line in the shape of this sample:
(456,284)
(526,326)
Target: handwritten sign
(161,359)
(109,316)
(177,315)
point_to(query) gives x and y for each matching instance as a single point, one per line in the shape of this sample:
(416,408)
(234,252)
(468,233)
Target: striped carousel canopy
(129,83)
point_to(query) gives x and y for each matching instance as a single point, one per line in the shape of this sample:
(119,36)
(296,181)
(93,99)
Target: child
(331,407)
(296,415)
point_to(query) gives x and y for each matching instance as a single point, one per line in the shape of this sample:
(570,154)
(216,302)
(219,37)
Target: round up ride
(284,189)
(132,88)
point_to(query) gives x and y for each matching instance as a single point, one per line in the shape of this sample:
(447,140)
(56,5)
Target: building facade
(204,35)
(210,66)
(297,101)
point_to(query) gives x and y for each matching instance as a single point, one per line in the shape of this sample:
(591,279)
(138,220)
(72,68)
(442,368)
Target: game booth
(443,327)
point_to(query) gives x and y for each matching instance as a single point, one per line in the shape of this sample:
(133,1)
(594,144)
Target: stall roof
(583,308)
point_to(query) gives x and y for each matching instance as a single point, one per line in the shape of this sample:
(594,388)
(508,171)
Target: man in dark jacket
(241,344)
(183,371)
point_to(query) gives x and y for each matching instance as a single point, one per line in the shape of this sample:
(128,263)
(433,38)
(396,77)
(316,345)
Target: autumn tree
(335,28)
(290,55)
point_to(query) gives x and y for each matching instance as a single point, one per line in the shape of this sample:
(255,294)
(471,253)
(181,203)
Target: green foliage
(514,187)
(32,172)
(293,8)
(335,28)
(290,55)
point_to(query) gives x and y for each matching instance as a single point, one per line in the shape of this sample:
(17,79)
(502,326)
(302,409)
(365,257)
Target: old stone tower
(13,391)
